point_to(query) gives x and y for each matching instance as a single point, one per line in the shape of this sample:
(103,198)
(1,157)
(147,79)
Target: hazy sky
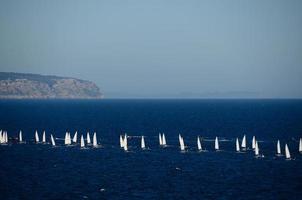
(231,48)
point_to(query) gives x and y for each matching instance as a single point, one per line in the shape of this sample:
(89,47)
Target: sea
(40,171)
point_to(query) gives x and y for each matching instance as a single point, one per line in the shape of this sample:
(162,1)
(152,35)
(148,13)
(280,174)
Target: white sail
(94,140)
(20,136)
(52,140)
(254,142)
(216,144)
(256,148)
(237,145)
(300,145)
(164,139)
(181,143)
(125,145)
(143,142)
(278,147)
(69,138)
(5,137)
(43,137)
(88,138)
(198,143)
(66,138)
(82,142)
(75,137)
(121,141)
(36,137)
(160,139)
(243,144)
(287,153)
(1,137)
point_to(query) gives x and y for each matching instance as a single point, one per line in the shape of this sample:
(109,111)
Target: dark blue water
(37,171)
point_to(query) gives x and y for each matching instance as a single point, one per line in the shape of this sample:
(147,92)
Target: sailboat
(181,143)
(37,137)
(66,142)
(243,144)
(75,137)
(4,138)
(20,137)
(88,138)
(256,149)
(1,137)
(160,139)
(199,144)
(53,143)
(82,142)
(121,141)
(278,148)
(164,140)
(216,144)
(287,153)
(300,145)
(125,145)
(94,140)
(237,145)
(143,146)
(43,137)
(253,142)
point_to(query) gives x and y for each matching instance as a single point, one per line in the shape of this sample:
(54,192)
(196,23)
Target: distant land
(36,86)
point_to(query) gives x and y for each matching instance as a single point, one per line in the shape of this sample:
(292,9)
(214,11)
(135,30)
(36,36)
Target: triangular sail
(143,143)
(43,137)
(5,137)
(216,144)
(253,142)
(300,145)
(243,144)
(198,143)
(36,137)
(287,153)
(52,140)
(66,138)
(164,139)
(94,142)
(75,137)
(256,148)
(125,143)
(160,139)
(237,145)
(1,137)
(69,138)
(121,141)
(20,136)
(181,143)
(82,142)
(278,147)
(88,138)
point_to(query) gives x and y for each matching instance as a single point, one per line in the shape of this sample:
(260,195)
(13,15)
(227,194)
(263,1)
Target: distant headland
(36,86)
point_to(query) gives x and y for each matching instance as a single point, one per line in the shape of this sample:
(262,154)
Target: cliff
(35,86)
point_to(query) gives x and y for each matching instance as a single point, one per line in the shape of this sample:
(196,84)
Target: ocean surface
(40,171)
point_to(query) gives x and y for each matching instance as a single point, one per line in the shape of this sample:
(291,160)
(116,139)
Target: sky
(159,48)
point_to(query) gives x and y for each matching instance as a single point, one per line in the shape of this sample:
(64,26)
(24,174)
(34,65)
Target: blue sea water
(37,171)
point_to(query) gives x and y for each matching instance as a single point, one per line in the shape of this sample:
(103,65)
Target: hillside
(35,86)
